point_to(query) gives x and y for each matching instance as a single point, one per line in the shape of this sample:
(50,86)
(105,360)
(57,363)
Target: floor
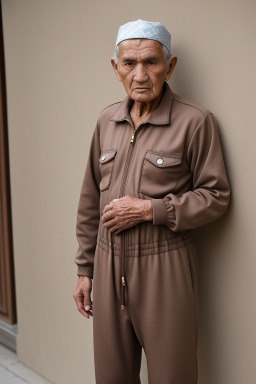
(14,372)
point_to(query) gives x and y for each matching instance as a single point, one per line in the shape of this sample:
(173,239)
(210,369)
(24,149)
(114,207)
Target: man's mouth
(141,89)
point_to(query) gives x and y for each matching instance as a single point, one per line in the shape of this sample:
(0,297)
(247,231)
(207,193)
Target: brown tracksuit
(149,270)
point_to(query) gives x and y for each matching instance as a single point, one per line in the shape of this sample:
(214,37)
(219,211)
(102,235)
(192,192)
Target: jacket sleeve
(209,198)
(88,214)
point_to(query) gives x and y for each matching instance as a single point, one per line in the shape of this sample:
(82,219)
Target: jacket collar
(160,116)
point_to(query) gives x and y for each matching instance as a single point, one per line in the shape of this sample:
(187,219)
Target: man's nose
(140,73)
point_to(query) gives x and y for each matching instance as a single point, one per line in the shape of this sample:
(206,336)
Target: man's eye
(128,64)
(151,63)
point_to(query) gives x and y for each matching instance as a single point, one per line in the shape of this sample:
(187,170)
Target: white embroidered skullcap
(141,29)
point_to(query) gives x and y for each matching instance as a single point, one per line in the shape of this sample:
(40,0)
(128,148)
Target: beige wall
(58,79)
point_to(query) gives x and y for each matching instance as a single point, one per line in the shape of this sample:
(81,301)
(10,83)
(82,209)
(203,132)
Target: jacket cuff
(159,212)
(85,271)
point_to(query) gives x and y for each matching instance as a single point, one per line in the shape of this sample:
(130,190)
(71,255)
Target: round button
(103,158)
(160,161)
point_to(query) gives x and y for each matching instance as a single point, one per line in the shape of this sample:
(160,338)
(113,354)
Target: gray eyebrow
(126,59)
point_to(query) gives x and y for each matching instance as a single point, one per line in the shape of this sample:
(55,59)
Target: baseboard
(8,335)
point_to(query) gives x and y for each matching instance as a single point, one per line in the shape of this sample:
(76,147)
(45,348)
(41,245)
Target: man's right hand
(82,296)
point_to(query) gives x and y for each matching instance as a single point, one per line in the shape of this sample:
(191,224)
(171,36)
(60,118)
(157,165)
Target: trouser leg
(117,351)
(163,303)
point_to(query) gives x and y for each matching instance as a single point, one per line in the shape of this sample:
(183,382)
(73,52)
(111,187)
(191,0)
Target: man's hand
(126,212)
(82,296)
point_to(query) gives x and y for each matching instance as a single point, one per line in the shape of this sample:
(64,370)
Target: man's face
(142,68)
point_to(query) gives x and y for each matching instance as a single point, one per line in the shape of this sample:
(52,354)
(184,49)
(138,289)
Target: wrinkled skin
(126,212)
(82,296)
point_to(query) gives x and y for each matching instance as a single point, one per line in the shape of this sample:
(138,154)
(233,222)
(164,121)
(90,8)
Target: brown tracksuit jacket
(175,160)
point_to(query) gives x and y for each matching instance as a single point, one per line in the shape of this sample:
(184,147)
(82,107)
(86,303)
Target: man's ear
(171,67)
(114,65)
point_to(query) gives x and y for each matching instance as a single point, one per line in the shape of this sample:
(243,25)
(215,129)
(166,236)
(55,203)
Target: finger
(108,216)
(110,223)
(116,229)
(107,207)
(119,228)
(85,313)
(104,214)
(81,309)
(87,300)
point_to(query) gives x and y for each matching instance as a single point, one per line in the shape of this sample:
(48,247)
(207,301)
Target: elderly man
(155,171)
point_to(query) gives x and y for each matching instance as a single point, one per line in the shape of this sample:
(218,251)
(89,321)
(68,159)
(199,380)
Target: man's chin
(144,96)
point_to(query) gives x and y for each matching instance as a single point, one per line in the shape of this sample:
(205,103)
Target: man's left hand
(126,212)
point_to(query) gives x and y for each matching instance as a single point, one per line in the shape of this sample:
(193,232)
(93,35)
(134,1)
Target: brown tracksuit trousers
(145,279)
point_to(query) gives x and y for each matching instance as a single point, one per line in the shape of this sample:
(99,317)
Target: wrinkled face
(142,68)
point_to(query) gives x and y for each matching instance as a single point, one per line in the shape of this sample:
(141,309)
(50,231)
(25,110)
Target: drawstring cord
(123,282)
(123,287)
(122,266)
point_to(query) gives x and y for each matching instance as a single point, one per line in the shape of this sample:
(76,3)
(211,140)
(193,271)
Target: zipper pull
(123,285)
(132,139)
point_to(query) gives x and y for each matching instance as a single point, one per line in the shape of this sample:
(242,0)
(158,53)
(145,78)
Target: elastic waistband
(138,250)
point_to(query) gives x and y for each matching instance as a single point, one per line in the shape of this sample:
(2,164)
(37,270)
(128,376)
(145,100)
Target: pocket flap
(107,155)
(162,160)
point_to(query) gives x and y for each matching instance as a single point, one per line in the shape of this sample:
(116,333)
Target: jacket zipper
(123,235)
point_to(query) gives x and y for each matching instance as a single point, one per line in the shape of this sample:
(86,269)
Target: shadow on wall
(210,241)
(213,279)
(213,298)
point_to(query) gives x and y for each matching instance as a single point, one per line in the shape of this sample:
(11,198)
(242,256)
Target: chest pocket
(160,173)
(106,163)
